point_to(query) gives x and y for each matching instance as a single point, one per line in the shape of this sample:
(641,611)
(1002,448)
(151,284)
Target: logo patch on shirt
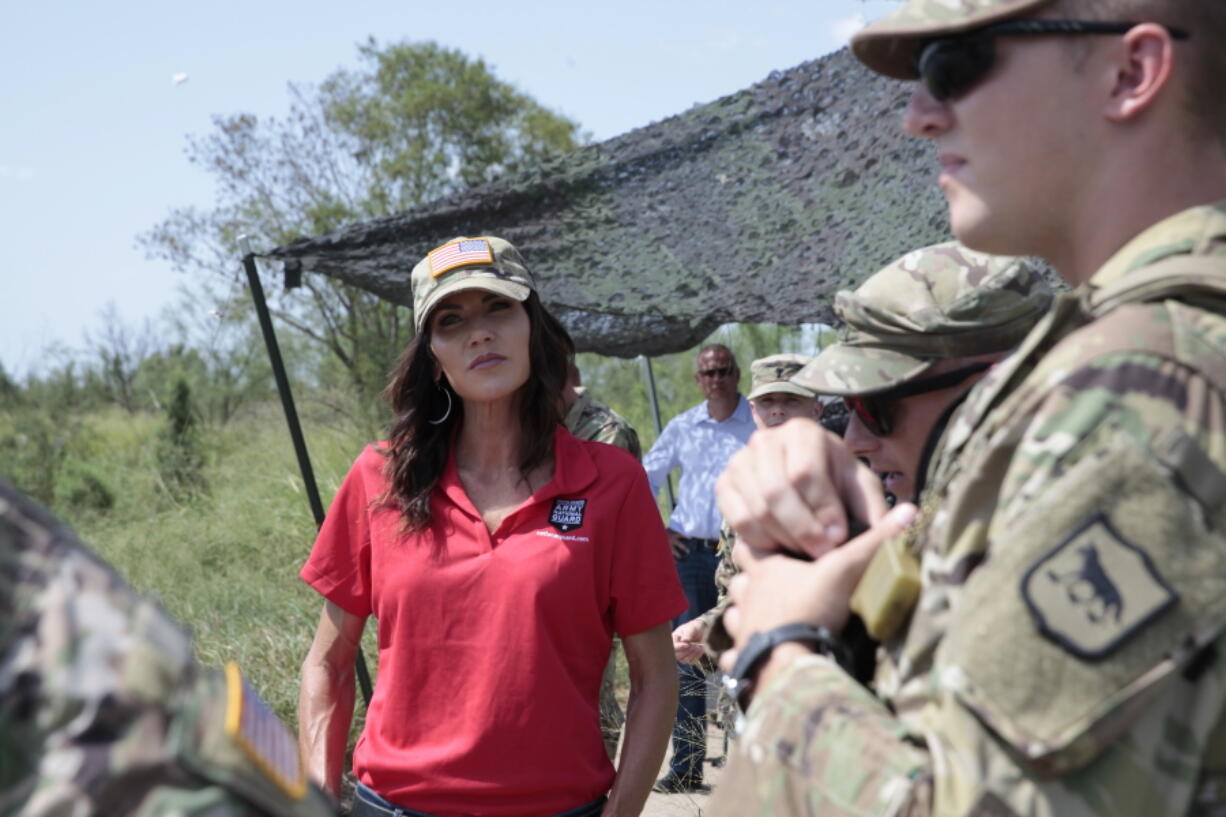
(567,514)
(1094,590)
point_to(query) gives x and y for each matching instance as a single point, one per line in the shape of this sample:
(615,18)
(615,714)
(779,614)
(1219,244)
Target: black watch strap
(760,645)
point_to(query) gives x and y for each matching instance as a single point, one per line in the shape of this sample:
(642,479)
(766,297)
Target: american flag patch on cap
(460,254)
(262,736)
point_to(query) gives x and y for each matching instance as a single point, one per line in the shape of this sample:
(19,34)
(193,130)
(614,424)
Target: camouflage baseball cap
(888,45)
(771,375)
(939,302)
(468,263)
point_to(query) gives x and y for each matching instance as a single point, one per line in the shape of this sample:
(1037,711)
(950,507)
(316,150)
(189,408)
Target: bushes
(35,444)
(84,489)
(179,453)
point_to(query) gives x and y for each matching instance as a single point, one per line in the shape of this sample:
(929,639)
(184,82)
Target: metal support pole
(291,418)
(655,416)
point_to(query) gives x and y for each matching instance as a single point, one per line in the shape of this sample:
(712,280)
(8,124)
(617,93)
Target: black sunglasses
(873,410)
(725,371)
(951,66)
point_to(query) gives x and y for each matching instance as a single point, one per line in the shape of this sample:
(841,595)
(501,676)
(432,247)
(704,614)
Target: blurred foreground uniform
(103,710)
(1064,656)
(589,419)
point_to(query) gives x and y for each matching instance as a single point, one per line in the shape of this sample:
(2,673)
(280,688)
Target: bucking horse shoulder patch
(1094,590)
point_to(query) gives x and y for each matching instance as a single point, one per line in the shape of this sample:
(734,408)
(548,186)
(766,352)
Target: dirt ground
(690,805)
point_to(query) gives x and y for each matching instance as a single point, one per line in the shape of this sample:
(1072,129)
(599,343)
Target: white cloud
(21,174)
(179,78)
(843,28)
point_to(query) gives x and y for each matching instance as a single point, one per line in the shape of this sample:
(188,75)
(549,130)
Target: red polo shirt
(492,646)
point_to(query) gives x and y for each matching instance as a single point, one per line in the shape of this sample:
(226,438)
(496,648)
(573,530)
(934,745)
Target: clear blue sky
(93,129)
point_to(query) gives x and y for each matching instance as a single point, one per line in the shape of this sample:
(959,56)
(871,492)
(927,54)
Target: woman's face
(480,341)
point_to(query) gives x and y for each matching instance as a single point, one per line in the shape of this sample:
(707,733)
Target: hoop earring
(446,413)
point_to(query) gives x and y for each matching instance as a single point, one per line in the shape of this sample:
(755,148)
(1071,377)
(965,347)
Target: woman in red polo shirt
(499,555)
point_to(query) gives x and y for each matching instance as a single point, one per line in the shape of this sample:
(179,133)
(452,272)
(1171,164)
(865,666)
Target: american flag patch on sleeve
(460,254)
(261,735)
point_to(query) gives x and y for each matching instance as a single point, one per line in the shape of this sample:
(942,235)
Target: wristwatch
(760,645)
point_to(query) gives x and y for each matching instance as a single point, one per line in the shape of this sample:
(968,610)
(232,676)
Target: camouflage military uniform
(590,419)
(768,375)
(1063,654)
(716,638)
(102,708)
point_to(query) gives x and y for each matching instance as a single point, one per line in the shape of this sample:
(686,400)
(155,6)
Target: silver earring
(446,413)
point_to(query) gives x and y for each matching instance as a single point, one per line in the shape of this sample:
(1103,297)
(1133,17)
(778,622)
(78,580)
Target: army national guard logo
(567,514)
(1094,590)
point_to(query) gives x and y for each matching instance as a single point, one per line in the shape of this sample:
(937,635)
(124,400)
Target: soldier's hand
(687,641)
(773,590)
(792,487)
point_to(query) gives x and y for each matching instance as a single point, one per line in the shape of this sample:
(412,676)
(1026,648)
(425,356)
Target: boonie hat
(888,46)
(488,263)
(772,375)
(940,302)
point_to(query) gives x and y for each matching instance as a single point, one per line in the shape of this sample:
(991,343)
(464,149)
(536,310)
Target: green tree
(180,454)
(10,390)
(414,122)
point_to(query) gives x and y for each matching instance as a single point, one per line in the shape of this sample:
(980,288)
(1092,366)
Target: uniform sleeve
(662,457)
(625,438)
(816,742)
(1078,673)
(717,638)
(620,434)
(339,564)
(645,588)
(104,709)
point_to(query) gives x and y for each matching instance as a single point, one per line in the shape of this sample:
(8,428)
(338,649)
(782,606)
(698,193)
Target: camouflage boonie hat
(940,302)
(888,45)
(772,375)
(468,263)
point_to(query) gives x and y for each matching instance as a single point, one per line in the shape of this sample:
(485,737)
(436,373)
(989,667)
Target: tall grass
(225,564)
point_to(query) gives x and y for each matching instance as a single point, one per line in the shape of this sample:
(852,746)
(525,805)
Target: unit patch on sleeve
(1094,590)
(567,514)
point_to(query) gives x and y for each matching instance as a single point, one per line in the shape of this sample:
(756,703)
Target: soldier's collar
(1189,231)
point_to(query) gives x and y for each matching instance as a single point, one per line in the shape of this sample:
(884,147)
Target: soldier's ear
(1142,64)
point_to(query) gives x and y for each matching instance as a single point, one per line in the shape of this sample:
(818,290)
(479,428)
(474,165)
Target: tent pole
(291,419)
(655,417)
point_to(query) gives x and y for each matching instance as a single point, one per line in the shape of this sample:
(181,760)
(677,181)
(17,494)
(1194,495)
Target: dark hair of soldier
(417,449)
(1205,65)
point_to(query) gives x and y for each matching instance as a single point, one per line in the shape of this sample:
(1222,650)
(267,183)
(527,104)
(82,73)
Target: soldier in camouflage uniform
(104,713)
(589,419)
(773,399)
(1054,613)
(912,340)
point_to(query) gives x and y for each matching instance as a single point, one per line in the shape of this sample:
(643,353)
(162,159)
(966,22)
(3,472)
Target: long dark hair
(417,449)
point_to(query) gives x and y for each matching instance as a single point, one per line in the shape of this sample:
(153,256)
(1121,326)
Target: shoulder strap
(1196,278)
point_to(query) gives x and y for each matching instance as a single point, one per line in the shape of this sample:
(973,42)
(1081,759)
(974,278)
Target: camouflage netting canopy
(755,208)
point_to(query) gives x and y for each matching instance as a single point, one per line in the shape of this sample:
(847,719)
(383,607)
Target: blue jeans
(368,804)
(696,570)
